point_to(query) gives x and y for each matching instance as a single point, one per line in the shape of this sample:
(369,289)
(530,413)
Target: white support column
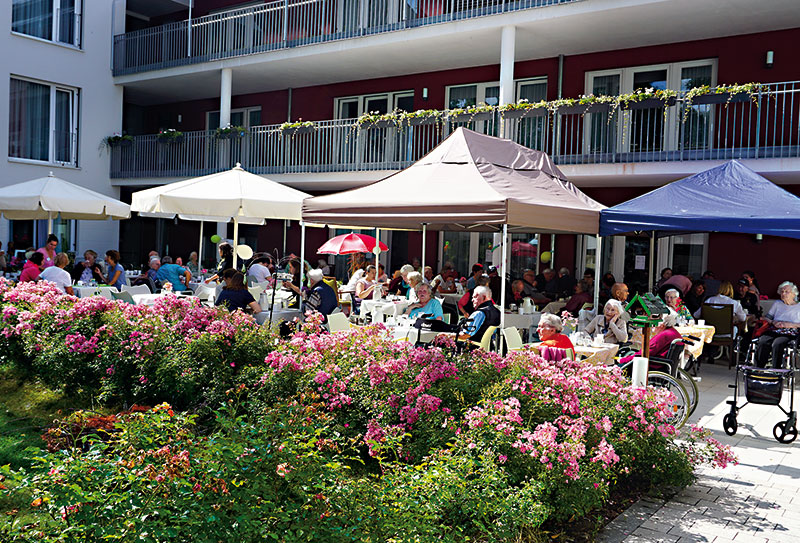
(302,264)
(503,271)
(507,46)
(200,251)
(225,90)
(235,242)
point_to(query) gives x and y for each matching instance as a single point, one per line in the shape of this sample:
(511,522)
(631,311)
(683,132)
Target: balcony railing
(282,24)
(764,126)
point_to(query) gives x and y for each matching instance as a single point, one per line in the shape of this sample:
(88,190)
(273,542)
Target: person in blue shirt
(484,316)
(116,273)
(169,272)
(321,298)
(234,295)
(426,306)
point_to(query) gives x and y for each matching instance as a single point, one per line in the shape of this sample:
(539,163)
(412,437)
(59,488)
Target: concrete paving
(757,500)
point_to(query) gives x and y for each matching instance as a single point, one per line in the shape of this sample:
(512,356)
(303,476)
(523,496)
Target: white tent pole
(200,251)
(424,235)
(538,252)
(49,223)
(598,257)
(503,287)
(650,275)
(377,244)
(235,241)
(302,261)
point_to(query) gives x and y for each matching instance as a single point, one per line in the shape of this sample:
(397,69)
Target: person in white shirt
(725,297)
(258,271)
(58,275)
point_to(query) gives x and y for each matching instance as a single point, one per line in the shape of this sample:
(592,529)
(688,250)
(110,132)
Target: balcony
(765,125)
(285,24)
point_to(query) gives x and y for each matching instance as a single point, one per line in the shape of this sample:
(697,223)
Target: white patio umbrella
(48,197)
(234,194)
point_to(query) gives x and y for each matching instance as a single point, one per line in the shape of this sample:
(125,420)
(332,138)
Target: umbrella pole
(424,235)
(597,259)
(49,223)
(235,241)
(650,275)
(503,289)
(302,262)
(200,251)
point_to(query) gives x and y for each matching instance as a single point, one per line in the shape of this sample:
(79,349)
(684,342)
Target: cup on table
(701,322)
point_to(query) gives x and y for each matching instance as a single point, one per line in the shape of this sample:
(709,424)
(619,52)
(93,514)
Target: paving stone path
(757,500)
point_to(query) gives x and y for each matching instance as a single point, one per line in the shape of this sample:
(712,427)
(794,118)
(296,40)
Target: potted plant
(117,140)
(523,109)
(422,117)
(481,112)
(723,94)
(647,99)
(170,135)
(589,103)
(231,132)
(290,128)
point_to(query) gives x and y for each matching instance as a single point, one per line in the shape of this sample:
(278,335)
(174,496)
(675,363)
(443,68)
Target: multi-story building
(196,68)
(59,102)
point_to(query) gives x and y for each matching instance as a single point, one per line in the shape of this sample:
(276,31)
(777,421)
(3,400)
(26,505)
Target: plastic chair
(486,340)
(255,291)
(446,318)
(138,289)
(338,322)
(513,339)
(125,296)
(720,316)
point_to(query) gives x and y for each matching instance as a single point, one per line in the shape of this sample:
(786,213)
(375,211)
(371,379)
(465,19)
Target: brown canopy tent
(470,182)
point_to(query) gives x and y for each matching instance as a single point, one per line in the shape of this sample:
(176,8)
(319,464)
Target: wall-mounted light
(770,60)
(424,93)
(759,238)
(180,118)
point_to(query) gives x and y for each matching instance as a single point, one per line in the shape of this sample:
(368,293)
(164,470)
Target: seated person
(609,324)
(414,279)
(529,282)
(465,303)
(549,331)
(548,283)
(663,336)
(258,270)
(748,300)
(294,284)
(88,269)
(321,298)
(32,268)
(784,319)
(234,295)
(484,316)
(446,283)
(153,265)
(477,271)
(365,287)
(426,305)
(725,297)
(581,296)
(607,282)
(172,273)
(673,300)
(566,283)
(116,273)
(517,296)
(58,275)
(694,298)
(679,282)
(399,284)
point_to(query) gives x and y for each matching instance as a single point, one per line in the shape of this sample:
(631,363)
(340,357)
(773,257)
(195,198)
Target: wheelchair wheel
(681,405)
(782,434)
(729,424)
(691,388)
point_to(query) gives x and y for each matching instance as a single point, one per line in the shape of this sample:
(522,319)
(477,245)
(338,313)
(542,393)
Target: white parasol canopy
(234,194)
(47,197)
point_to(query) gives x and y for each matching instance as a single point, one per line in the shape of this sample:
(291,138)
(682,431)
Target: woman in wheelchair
(665,334)
(613,328)
(784,320)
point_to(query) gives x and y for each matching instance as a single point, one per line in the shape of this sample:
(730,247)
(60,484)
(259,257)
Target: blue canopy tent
(727,198)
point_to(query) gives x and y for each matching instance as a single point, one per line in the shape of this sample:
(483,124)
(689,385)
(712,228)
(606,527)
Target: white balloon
(244,252)
(376,250)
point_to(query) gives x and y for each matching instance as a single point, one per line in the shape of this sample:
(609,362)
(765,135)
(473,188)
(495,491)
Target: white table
(380,309)
(523,322)
(146,299)
(85,292)
(451,298)
(406,332)
(277,315)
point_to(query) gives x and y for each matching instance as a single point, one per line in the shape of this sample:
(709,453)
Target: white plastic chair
(513,339)
(338,322)
(138,289)
(255,291)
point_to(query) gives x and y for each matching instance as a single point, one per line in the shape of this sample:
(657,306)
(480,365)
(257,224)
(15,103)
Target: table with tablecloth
(383,308)
(704,332)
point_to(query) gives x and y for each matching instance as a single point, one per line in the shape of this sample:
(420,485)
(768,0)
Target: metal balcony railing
(282,24)
(710,128)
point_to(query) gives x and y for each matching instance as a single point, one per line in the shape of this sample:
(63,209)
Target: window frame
(480,95)
(77,42)
(245,111)
(74,124)
(391,99)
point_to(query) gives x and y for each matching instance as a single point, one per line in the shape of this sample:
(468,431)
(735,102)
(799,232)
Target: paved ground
(755,501)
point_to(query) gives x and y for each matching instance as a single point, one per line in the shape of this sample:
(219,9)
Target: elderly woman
(365,287)
(784,318)
(414,279)
(610,323)
(193,265)
(426,305)
(663,336)
(673,300)
(549,331)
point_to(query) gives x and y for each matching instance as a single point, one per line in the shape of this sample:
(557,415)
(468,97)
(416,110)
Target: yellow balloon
(546,257)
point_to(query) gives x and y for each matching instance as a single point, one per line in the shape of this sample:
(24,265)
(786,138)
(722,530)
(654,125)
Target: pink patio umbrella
(350,243)
(520,248)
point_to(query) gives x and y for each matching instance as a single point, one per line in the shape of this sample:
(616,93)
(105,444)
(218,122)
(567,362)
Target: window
(351,107)
(247,117)
(42,122)
(53,20)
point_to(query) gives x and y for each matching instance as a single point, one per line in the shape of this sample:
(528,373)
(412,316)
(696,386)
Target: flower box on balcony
(170,136)
(471,117)
(523,113)
(720,98)
(648,103)
(231,132)
(582,109)
(421,121)
(295,130)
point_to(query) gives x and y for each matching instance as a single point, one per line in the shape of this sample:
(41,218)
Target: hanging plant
(231,132)
(170,135)
(291,128)
(116,140)
(480,112)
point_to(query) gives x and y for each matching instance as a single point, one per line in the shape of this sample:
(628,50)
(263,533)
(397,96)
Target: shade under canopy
(727,198)
(220,197)
(47,197)
(469,182)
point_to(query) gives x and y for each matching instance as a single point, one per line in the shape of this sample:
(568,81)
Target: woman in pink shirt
(49,251)
(32,268)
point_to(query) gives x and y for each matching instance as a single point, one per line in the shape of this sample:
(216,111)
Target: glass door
(647,125)
(603,133)
(402,141)
(698,121)
(374,140)
(532,131)
(637,264)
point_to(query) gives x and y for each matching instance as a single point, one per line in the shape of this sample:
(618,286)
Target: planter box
(230,135)
(650,103)
(297,130)
(525,113)
(471,117)
(584,108)
(421,121)
(722,98)
(171,140)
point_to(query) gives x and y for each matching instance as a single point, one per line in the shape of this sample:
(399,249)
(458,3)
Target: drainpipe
(289,107)
(560,74)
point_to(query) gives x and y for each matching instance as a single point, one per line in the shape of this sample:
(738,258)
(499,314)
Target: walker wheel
(730,424)
(784,435)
